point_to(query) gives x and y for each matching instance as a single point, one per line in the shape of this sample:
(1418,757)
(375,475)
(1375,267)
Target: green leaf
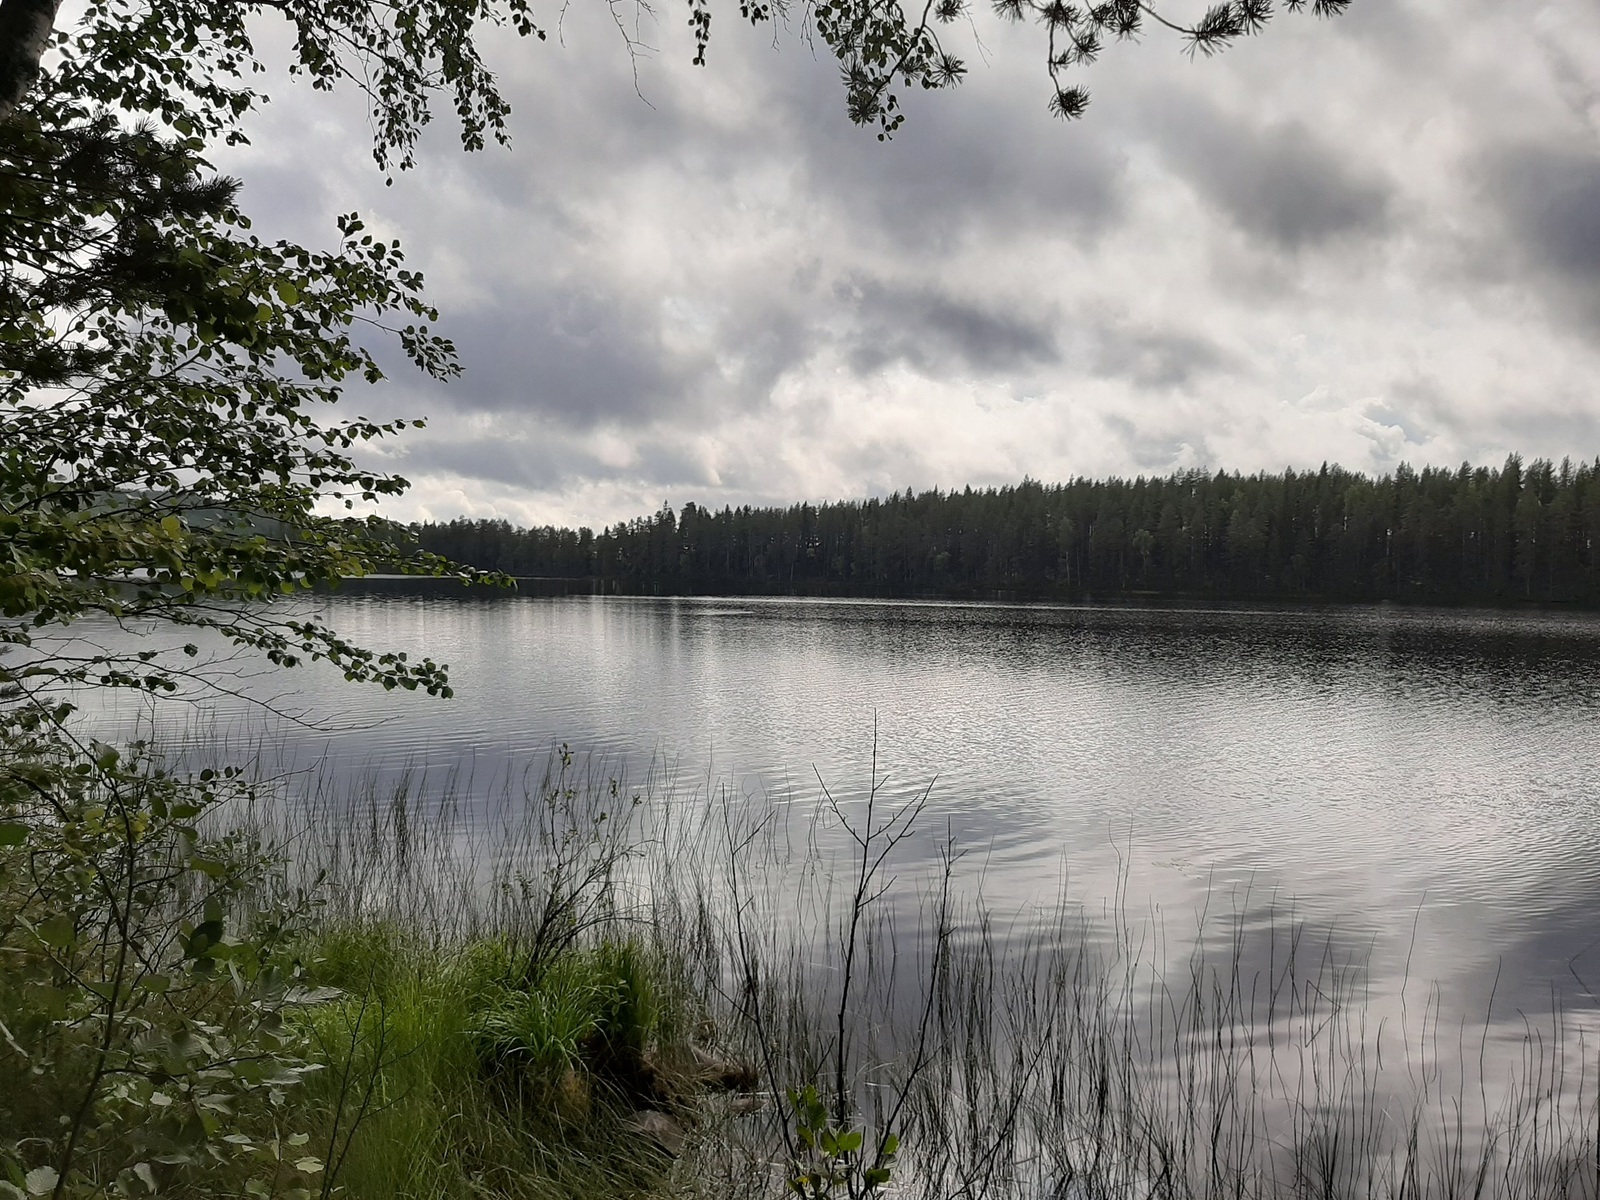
(287,292)
(13,833)
(209,867)
(50,1002)
(58,932)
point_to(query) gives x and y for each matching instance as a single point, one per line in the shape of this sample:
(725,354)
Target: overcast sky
(1371,240)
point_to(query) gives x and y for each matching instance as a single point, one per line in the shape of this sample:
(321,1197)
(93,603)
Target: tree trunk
(25,27)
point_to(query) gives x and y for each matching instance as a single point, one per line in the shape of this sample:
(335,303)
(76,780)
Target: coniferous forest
(1523,532)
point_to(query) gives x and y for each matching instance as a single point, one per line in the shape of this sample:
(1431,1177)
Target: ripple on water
(1387,767)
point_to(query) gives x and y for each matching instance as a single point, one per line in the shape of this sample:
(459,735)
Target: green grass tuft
(469,1071)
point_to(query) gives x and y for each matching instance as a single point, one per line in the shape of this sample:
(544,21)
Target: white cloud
(1330,243)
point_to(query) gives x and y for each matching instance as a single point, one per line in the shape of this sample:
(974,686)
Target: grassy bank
(573,988)
(473,1070)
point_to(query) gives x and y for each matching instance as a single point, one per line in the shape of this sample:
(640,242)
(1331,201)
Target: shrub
(146,971)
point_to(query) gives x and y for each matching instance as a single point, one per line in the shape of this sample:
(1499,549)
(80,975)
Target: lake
(1420,784)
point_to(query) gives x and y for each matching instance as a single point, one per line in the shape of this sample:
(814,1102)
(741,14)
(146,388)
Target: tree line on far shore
(1523,532)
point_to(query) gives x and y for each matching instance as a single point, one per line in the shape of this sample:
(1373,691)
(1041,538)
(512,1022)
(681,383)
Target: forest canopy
(1474,534)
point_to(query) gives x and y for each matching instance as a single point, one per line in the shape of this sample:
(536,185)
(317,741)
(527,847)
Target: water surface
(1421,783)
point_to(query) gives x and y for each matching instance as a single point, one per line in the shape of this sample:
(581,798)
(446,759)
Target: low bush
(148,984)
(176,1020)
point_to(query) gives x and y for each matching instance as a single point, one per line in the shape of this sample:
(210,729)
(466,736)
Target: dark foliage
(1523,532)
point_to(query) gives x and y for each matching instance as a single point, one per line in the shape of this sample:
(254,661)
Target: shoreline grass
(591,990)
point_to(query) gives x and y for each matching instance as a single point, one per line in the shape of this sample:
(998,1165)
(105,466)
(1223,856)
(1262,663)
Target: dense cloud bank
(1373,240)
(1519,533)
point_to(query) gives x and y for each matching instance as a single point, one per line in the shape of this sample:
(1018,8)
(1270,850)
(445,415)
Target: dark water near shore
(1421,784)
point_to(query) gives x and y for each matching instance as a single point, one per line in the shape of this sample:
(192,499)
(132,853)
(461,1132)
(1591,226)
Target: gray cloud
(1284,183)
(1549,201)
(1399,33)
(1156,453)
(668,464)
(726,287)
(518,461)
(582,356)
(983,163)
(296,202)
(538,457)
(1153,358)
(1553,429)
(1427,402)
(932,330)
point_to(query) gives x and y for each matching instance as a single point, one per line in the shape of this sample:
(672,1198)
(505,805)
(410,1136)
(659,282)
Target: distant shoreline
(559,586)
(1523,532)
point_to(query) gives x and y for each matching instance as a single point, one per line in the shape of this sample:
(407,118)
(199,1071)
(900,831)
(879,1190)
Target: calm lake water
(1421,784)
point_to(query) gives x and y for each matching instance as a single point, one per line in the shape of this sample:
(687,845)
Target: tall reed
(1041,1055)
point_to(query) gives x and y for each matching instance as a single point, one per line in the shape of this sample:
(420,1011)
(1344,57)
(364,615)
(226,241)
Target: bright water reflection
(1422,780)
